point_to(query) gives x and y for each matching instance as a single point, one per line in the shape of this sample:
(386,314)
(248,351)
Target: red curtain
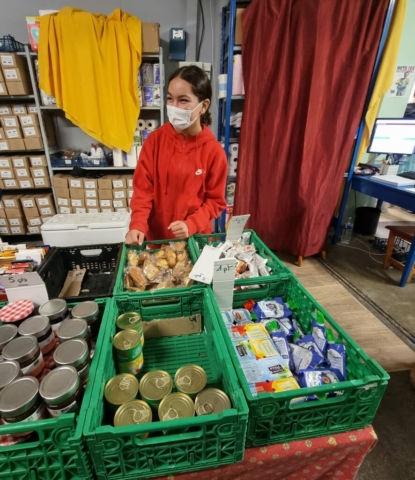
(307,66)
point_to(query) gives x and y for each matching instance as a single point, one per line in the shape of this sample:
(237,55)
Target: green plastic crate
(59,451)
(197,443)
(278,269)
(119,282)
(272,418)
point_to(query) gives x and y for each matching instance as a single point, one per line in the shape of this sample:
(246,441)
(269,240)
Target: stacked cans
(128,343)
(149,79)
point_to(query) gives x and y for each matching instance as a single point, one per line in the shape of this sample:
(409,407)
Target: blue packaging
(297,327)
(145,134)
(315,378)
(275,308)
(240,316)
(336,357)
(156,72)
(305,354)
(319,335)
(148,95)
(280,341)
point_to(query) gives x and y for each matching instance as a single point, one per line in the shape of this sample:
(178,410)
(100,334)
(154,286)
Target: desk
(332,457)
(396,196)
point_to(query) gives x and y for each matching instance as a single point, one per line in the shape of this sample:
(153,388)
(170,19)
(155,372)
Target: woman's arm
(215,201)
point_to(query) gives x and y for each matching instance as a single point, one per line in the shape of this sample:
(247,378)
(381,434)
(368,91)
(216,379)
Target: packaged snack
(226,317)
(281,385)
(280,341)
(275,308)
(316,378)
(160,254)
(306,355)
(297,327)
(246,238)
(137,277)
(240,316)
(132,258)
(162,263)
(151,271)
(319,332)
(178,246)
(336,356)
(171,257)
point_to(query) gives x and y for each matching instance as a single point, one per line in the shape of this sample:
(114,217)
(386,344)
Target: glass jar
(89,311)
(7,334)
(74,353)
(39,326)
(74,328)
(56,310)
(9,371)
(25,350)
(62,391)
(20,402)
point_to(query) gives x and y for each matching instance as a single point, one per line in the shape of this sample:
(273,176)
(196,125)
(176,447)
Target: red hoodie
(178,180)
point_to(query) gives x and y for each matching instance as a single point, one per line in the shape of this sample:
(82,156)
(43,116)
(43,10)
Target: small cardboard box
(32,109)
(119,203)
(76,183)
(47,211)
(19,109)
(9,121)
(17,144)
(92,210)
(6,162)
(4,230)
(28,201)
(31,132)
(29,120)
(118,194)
(38,172)
(63,201)
(31,212)
(60,181)
(33,230)
(20,162)
(64,210)
(26,183)
(3,89)
(105,194)
(5,110)
(150,37)
(34,221)
(79,210)
(38,161)
(238,26)
(119,182)
(105,203)
(3,222)
(130,181)
(16,221)
(10,60)
(41,182)
(20,230)
(12,132)
(91,202)
(12,201)
(105,183)
(10,183)
(91,193)
(12,75)
(77,193)
(2,135)
(7,173)
(4,145)
(33,143)
(62,192)
(21,173)
(90,183)
(44,200)
(78,202)
(19,88)
(14,213)
(130,194)
(106,210)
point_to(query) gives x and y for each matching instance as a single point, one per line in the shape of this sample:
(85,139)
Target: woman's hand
(179,229)
(133,237)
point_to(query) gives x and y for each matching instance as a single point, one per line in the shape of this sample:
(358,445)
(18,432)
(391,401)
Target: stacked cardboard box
(22,214)
(15,74)
(20,172)
(111,193)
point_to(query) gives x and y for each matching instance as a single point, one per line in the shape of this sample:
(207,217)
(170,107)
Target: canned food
(39,326)
(9,371)
(89,311)
(25,350)
(7,334)
(190,379)
(135,412)
(74,328)
(128,351)
(211,400)
(154,386)
(56,310)
(131,321)
(120,389)
(176,405)
(74,353)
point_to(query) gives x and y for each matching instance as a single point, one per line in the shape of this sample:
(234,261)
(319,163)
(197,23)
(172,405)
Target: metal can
(154,386)
(128,351)
(174,406)
(120,389)
(135,412)
(190,379)
(131,321)
(9,371)
(211,400)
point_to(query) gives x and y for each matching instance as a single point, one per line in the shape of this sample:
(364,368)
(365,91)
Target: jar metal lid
(37,326)
(73,352)
(21,349)
(87,310)
(54,308)
(9,371)
(72,328)
(7,333)
(59,385)
(19,396)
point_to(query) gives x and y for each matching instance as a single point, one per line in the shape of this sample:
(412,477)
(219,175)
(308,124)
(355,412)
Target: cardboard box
(41,182)
(12,75)
(28,201)
(33,143)
(5,110)
(6,162)
(4,145)
(16,221)
(7,173)
(31,212)
(32,109)
(19,88)
(130,194)
(77,193)
(105,183)
(34,221)
(12,201)
(21,230)
(31,132)
(12,213)
(60,181)
(33,230)
(105,194)
(119,203)
(13,132)
(76,183)
(10,184)
(79,210)
(91,193)
(78,202)
(92,210)
(238,26)
(4,231)
(39,172)
(90,183)
(17,144)
(150,37)
(20,162)
(63,201)
(11,60)
(29,120)
(130,181)
(1,76)
(46,211)
(44,200)
(106,210)
(19,109)
(117,194)
(3,222)
(33,24)
(38,161)
(62,192)
(1,184)
(3,89)
(119,182)
(2,135)
(25,183)
(105,203)
(44,219)
(8,121)
(91,202)
(21,173)
(64,210)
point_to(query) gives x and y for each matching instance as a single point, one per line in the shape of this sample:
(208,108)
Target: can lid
(72,328)
(19,396)
(87,310)
(7,333)
(211,400)
(155,385)
(21,349)
(59,385)
(190,379)
(133,413)
(73,352)
(54,308)
(37,326)
(9,371)
(121,388)
(16,311)
(176,405)
(126,339)
(129,320)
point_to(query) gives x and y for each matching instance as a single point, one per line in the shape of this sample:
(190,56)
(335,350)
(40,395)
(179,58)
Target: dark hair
(200,85)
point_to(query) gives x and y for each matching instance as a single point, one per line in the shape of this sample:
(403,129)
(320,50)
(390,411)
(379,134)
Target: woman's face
(180,95)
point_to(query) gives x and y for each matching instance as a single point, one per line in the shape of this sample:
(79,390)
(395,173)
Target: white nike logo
(199,172)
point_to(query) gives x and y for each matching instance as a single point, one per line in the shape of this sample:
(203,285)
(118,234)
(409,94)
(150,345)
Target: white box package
(85,229)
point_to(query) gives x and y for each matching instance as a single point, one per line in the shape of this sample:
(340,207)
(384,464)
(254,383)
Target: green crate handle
(196,433)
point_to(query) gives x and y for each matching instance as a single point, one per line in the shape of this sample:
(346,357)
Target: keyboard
(410,175)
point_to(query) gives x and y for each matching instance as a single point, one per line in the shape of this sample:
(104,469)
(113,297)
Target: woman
(179,183)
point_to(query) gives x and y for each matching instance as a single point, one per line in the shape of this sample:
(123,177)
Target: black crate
(101,263)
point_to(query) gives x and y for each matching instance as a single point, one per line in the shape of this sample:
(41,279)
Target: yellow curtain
(386,73)
(89,63)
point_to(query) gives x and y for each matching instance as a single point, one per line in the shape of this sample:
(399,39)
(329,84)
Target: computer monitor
(393,135)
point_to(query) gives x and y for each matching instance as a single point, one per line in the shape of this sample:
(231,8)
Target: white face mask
(180,118)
